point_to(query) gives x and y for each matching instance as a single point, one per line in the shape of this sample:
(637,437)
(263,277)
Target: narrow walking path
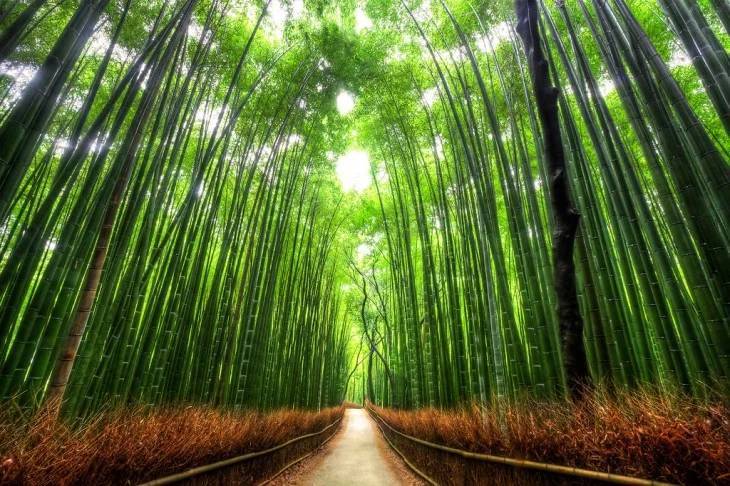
(358,455)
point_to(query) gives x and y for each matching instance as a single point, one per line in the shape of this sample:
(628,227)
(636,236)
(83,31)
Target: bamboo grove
(465,307)
(172,230)
(161,215)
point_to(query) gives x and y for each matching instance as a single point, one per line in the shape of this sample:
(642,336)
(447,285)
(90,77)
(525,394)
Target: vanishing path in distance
(358,455)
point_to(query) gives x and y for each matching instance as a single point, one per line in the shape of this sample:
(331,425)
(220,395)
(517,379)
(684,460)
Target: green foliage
(184,151)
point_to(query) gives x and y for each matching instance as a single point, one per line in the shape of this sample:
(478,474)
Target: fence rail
(216,466)
(508,461)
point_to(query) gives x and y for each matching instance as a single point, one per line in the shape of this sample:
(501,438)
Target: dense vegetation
(114,448)
(166,213)
(172,229)
(458,286)
(640,434)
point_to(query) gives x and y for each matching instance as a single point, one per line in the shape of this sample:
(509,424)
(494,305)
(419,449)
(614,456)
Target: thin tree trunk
(65,362)
(566,218)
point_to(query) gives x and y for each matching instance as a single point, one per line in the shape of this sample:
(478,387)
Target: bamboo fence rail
(215,466)
(508,461)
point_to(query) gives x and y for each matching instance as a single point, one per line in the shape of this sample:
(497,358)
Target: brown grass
(639,434)
(133,445)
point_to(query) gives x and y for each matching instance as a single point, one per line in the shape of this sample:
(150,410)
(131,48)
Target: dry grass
(640,434)
(133,445)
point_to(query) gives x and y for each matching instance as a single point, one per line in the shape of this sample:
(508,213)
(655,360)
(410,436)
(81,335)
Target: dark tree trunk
(565,216)
(14,32)
(21,131)
(371,388)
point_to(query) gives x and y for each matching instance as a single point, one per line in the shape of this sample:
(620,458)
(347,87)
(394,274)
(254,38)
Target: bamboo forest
(470,241)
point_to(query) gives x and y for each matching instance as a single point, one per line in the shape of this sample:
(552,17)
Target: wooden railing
(585,474)
(233,461)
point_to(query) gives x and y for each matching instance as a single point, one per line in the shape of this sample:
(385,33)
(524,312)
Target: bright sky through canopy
(353,171)
(345,102)
(362,21)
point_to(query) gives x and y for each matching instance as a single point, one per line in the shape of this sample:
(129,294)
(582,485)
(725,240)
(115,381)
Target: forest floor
(356,455)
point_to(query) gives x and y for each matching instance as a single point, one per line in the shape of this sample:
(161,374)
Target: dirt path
(358,455)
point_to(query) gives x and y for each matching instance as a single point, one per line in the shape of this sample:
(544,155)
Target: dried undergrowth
(133,445)
(639,433)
